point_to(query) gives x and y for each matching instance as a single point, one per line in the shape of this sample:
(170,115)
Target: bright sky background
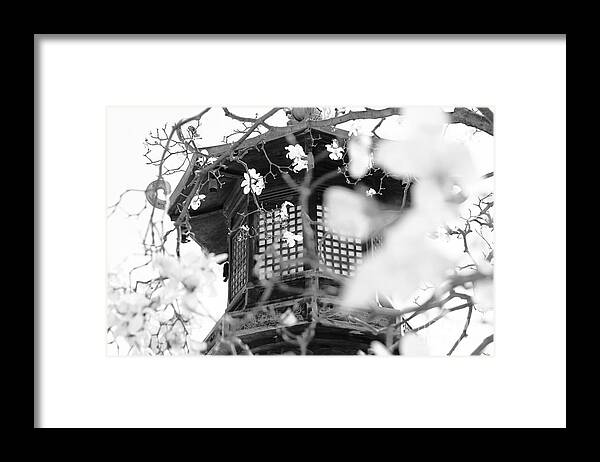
(128,127)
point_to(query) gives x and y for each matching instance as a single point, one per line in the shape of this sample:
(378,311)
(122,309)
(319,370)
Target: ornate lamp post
(285,264)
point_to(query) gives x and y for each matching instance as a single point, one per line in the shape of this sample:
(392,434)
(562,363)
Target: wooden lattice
(277,257)
(341,254)
(239,262)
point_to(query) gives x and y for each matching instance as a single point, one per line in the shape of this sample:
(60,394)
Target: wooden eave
(178,195)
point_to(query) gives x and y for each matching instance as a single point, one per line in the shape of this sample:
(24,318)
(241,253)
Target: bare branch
(463,334)
(231,115)
(465,116)
(477,351)
(487,112)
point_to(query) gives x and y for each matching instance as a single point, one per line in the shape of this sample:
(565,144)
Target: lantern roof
(277,133)
(213,234)
(221,191)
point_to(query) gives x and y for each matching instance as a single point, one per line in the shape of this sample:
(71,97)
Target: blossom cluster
(336,152)
(283,211)
(190,277)
(197,201)
(253,181)
(443,175)
(291,238)
(152,321)
(298,157)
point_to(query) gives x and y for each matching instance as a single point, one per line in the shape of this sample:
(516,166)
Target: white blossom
(171,291)
(396,270)
(165,314)
(442,170)
(288,318)
(370,192)
(142,341)
(408,257)
(207,158)
(295,151)
(153,325)
(348,213)
(132,303)
(291,238)
(283,212)
(299,165)
(298,157)
(336,152)
(135,323)
(197,201)
(126,313)
(253,181)
(176,337)
(361,159)
(191,277)
(167,266)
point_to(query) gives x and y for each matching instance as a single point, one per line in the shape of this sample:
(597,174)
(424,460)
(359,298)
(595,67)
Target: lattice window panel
(339,253)
(238,262)
(277,258)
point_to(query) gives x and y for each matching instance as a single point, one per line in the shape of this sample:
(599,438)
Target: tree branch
(462,115)
(463,334)
(233,116)
(207,168)
(477,351)
(487,112)
(459,115)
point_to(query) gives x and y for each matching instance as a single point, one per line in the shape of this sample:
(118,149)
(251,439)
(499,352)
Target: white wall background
(524,81)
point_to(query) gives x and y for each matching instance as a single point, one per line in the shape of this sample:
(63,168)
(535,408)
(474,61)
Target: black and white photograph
(301,231)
